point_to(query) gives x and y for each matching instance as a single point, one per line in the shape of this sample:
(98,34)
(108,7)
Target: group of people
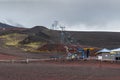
(78,54)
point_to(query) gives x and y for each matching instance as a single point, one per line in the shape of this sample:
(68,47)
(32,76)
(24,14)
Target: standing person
(88,53)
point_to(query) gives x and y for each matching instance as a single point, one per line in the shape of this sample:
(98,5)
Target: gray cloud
(96,14)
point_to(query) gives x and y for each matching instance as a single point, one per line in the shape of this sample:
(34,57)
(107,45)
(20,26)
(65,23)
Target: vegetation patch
(33,46)
(13,39)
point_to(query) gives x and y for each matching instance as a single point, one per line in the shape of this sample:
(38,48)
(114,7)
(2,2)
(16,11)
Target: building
(116,53)
(104,54)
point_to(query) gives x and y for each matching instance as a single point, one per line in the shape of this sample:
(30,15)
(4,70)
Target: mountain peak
(3,25)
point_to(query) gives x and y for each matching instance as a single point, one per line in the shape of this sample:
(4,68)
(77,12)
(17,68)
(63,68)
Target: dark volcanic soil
(94,39)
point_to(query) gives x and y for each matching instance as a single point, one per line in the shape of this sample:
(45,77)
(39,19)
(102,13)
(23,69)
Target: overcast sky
(80,15)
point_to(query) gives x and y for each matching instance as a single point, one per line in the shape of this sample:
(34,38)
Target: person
(88,53)
(69,55)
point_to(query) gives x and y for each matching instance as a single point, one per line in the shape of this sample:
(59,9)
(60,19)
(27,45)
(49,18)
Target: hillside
(3,25)
(8,29)
(98,39)
(95,39)
(39,35)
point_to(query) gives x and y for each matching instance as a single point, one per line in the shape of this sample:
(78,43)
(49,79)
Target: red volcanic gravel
(7,57)
(58,71)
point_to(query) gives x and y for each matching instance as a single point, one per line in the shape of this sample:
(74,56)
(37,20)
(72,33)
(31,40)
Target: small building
(104,54)
(116,53)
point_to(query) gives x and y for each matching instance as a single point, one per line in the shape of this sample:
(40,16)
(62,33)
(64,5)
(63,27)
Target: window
(106,55)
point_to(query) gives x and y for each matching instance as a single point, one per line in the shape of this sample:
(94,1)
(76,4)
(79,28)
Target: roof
(116,50)
(104,51)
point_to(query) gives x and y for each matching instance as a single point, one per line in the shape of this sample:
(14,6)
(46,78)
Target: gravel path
(47,71)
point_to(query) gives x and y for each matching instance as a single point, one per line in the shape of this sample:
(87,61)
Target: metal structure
(62,34)
(69,39)
(65,37)
(54,25)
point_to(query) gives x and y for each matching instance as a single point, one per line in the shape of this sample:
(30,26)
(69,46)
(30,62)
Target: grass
(13,39)
(32,47)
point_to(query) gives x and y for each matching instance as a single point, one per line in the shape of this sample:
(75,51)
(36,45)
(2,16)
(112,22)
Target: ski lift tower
(62,34)
(54,25)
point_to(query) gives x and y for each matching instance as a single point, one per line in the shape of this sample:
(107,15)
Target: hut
(104,54)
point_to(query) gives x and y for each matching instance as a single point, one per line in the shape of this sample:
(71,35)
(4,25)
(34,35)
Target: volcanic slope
(3,25)
(95,39)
